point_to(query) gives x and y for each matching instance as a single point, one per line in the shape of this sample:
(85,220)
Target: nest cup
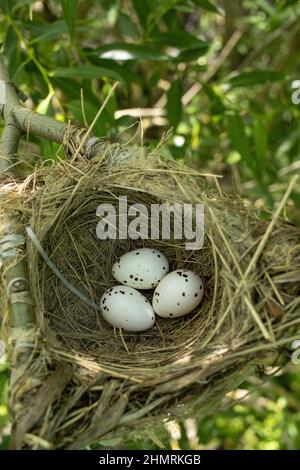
(121,384)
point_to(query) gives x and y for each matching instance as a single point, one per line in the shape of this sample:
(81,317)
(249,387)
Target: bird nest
(78,380)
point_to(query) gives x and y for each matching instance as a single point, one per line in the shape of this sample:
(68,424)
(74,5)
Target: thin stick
(55,270)
(95,120)
(212,70)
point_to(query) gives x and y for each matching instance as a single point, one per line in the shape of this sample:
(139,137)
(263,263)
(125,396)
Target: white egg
(125,307)
(178,294)
(142,268)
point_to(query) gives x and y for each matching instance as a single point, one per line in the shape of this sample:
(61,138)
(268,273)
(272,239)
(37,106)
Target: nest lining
(68,234)
(180,366)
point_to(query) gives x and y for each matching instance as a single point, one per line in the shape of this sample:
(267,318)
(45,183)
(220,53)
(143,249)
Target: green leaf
(184,8)
(17,4)
(125,69)
(160,9)
(296,198)
(288,3)
(179,39)
(3,384)
(5,443)
(143,8)
(45,31)
(61,57)
(6,7)
(254,77)
(206,5)
(70,13)
(190,55)
(260,137)
(10,47)
(266,6)
(238,138)
(86,71)
(127,26)
(43,106)
(216,104)
(128,52)
(71,88)
(174,106)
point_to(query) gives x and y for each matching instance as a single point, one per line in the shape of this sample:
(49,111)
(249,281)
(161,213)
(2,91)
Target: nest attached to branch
(80,380)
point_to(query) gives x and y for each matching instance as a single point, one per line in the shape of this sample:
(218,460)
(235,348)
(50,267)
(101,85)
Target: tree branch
(11,133)
(19,120)
(12,257)
(9,142)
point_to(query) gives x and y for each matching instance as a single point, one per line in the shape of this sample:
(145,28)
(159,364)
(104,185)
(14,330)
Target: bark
(14,267)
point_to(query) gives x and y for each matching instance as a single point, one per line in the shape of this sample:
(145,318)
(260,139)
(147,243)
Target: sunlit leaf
(43,105)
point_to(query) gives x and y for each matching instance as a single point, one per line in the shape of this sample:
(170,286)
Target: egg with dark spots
(142,268)
(127,309)
(178,294)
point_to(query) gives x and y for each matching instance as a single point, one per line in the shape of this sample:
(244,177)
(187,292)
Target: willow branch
(11,133)
(9,142)
(18,120)
(12,255)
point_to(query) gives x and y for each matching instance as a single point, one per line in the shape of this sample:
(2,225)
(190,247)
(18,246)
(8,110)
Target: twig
(212,70)
(11,134)
(12,256)
(19,119)
(89,131)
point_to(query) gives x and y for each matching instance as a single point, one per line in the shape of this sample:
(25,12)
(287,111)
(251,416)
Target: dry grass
(119,383)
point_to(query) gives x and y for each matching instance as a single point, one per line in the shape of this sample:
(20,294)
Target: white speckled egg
(125,307)
(178,294)
(142,268)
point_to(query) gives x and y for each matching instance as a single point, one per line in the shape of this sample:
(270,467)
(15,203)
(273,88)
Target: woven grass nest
(82,381)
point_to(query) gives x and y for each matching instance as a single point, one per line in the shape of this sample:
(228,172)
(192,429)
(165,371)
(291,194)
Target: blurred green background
(215,82)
